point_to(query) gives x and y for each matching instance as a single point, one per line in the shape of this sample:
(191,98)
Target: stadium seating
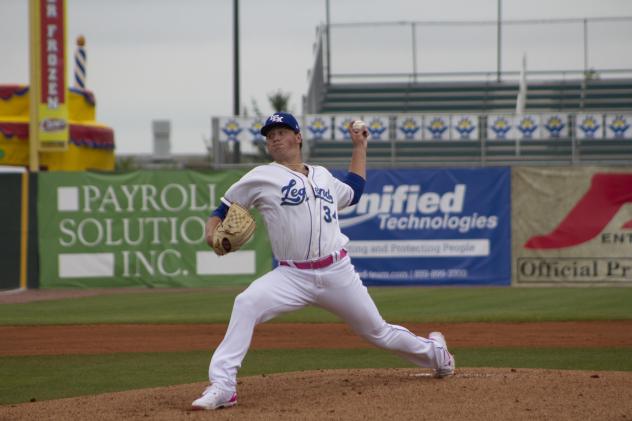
(481,98)
(477,97)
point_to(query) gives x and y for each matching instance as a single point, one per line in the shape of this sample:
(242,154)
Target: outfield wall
(18,229)
(521,226)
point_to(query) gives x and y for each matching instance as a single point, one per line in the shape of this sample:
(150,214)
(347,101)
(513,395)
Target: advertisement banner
(341,127)
(589,126)
(618,126)
(408,127)
(432,227)
(377,125)
(245,130)
(141,228)
(464,127)
(436,127)
(317,127)
(500,127)
(572,226)
(527,126)
(48,52)
(555,126)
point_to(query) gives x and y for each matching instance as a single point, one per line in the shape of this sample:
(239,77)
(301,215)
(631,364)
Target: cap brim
(266,129)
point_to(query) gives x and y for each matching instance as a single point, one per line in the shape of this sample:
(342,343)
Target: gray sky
(168,59)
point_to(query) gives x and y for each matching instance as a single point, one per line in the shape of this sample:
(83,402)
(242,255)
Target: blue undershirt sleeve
(221,210)
(356,182)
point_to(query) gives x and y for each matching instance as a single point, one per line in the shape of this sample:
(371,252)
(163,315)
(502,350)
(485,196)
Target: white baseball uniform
(300,213)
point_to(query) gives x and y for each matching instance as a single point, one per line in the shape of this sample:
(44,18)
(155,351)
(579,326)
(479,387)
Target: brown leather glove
(234,231)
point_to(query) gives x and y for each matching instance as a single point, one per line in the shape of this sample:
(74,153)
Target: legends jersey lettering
(292,196)
(323,194)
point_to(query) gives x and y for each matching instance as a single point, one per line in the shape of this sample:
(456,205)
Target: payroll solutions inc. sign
(572,226)
(141,228)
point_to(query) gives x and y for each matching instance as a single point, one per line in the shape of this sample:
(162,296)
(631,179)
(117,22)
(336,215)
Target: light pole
(236,105)
(498,43)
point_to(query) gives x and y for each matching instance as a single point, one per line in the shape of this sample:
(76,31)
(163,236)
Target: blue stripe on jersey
(320,209)
(311,217)
(309,243)
(221,211)
(356,182)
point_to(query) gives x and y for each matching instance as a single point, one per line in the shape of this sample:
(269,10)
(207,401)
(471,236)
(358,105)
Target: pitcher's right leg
(272,294)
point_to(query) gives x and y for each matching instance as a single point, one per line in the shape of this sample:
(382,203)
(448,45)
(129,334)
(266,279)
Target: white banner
(419,248)
(341,126)
(527,126)
(408,127)
(377,126)
(436,127)
(554,126)
(317,127)
(464,127)
(589,126)
(618,126)
(500,127)
(245,130)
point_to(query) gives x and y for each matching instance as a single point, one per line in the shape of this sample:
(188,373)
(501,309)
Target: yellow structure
(91,145)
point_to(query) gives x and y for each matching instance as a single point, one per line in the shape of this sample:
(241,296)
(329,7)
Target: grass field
(49,377)
(395,304)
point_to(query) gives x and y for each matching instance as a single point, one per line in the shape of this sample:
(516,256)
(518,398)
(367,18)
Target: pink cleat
(444,361)
(213,398)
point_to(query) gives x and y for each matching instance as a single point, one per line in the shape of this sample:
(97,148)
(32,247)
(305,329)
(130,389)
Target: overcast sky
(168,59)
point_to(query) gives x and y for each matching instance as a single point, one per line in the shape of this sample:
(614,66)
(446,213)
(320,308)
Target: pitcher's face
(283,143)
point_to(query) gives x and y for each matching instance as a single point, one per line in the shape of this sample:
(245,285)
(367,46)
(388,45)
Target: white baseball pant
(336,288)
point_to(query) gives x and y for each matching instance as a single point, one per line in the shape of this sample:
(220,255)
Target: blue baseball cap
(280,119)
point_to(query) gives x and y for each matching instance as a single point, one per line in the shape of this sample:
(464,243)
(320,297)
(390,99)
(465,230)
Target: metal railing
(423,62)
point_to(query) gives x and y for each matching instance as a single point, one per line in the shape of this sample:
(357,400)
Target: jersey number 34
(328,215)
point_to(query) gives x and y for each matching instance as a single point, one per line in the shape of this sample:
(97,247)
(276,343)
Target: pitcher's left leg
(355,306)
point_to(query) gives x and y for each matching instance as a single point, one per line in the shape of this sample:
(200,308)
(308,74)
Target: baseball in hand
(358,126)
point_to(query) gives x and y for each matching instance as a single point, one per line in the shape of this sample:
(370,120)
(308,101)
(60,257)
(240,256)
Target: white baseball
(358,126)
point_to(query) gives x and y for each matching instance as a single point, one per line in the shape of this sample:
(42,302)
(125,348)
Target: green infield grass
(53,377)
(405,304)
(49,377)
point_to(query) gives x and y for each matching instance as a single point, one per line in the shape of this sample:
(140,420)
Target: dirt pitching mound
(473,394)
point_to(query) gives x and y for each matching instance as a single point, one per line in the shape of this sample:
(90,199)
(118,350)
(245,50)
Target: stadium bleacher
(479,98)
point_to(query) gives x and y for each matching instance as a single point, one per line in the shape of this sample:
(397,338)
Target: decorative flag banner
(589,126)
(464,127)
(618,126)
(317,127)
(500,127)
(245,130)
(436,127)
(554,126)
(48,74)
(527,126)
(377,125)
(408,127)
(341,126)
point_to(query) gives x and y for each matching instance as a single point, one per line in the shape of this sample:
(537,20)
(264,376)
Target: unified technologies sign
(435,226)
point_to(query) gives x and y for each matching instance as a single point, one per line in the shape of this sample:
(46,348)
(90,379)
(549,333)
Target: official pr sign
(572,226)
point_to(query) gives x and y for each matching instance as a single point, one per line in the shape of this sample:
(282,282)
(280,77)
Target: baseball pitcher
(299,204)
